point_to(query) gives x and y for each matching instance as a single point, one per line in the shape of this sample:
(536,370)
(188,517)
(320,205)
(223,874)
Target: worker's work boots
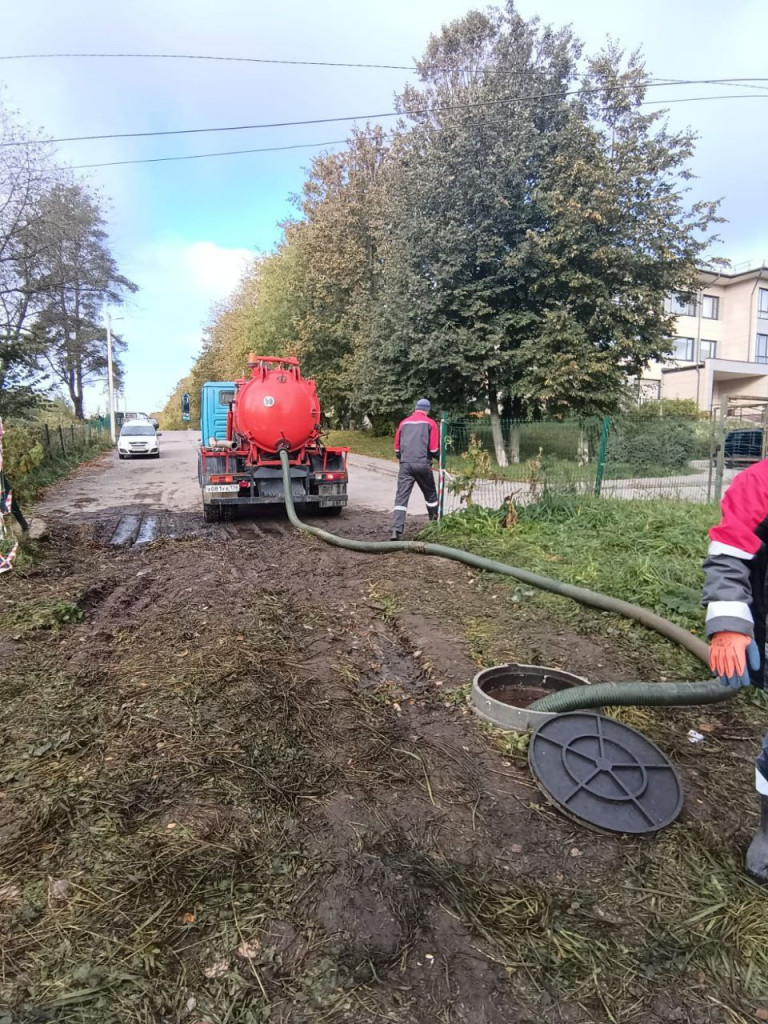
(757,854)
(394,535)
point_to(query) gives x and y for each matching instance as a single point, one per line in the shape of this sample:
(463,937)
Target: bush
(31,464)
(23,452)
(677,408)
(650,444)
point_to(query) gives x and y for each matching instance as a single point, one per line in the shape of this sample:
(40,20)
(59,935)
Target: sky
(183,231)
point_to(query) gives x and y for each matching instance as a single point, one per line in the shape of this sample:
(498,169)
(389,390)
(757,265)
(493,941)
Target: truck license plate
(222,488)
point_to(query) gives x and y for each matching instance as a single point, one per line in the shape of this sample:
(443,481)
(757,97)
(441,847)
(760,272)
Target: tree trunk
(496,431)
(79,412)
(582,452)
(514,442)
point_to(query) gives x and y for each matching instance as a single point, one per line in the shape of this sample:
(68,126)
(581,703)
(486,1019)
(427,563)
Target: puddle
(126,529)
(147,530)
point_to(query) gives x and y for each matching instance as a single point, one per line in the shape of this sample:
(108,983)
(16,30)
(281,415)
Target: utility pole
(110,385)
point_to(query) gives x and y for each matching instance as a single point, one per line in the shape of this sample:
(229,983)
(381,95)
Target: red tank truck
(273,408)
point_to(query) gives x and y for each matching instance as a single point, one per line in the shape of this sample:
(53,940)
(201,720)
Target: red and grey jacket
(737,562)
(417,440)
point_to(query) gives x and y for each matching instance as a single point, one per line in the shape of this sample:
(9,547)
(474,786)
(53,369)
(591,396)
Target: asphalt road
(170,482)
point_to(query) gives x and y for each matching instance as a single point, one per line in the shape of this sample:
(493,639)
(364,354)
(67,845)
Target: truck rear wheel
(211,513)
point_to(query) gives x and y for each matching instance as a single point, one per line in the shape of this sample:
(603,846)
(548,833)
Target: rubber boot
(757,854)
(394,535)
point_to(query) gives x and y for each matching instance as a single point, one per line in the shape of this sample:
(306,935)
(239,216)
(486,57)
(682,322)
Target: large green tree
(335,263)
(79,277)
(533,226)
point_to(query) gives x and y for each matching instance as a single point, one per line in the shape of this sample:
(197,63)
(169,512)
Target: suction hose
(596,695)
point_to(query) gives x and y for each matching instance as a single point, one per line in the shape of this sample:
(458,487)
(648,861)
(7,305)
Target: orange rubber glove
(728,656)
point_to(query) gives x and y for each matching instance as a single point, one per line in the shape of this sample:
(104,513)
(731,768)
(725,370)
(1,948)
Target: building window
(761,349)
(684,349)
(708,349)
(762,304)
(710,307)
(681,305)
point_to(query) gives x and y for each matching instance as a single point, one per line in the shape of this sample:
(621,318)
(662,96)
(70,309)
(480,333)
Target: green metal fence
(639,456)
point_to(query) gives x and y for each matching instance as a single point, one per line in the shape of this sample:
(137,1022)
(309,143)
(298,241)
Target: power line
(339,142)
(208,57)
(200,131)
(701,99)
(201,156)
(355,117)
(327,64)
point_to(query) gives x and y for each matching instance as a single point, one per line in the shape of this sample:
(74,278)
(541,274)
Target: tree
(79,278)
(26,172)
(618,236)
(334,248)
(459,204)
(532,228)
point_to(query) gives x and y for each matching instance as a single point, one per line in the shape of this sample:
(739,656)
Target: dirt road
(240,783)
(170,483)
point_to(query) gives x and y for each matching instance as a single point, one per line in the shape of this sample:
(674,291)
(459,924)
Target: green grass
(647,552)
(363,442)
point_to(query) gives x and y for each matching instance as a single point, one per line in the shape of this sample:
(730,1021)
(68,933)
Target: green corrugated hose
(596,695)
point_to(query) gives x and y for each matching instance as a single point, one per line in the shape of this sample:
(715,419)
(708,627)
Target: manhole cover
(605,774)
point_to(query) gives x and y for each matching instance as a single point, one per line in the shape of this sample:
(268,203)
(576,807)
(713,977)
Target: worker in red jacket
(735,591)
(735,581)
(417,443)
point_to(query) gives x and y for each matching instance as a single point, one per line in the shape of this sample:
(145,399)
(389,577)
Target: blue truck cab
(214,407)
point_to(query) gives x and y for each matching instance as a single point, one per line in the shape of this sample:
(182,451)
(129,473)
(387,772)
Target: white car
(138,437)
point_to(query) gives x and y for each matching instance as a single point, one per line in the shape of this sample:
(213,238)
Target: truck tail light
(331,476)
(221,478)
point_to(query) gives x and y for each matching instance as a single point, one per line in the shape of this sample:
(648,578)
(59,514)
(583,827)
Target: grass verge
(647,552)
(363,442)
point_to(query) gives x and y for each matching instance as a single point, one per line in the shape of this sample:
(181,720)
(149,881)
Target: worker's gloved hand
(728,657)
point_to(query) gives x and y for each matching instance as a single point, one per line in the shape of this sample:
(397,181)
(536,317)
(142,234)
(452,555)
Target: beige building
(720,343)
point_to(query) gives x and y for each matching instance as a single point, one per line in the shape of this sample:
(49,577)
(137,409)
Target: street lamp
(110,384)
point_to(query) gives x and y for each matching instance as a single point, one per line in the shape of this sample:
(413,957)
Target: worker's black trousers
(407,477)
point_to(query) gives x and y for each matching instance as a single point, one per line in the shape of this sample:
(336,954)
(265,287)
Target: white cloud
(215,269)
(163,323)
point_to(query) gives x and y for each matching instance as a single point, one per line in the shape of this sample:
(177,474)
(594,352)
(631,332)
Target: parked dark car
(743,447)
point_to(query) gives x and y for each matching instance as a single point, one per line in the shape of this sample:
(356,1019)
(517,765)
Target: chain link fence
(634,456)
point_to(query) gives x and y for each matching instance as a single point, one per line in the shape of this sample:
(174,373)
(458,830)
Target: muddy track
(250,741)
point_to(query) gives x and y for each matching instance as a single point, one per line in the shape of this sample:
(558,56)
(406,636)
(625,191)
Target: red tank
(276,406)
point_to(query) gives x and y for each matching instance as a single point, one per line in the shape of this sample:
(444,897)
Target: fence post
(61,438)
(72,432)
(719,468)
(47,437)
(601,455)
(441,466)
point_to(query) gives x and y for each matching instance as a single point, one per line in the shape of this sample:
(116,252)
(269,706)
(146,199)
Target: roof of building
(711,276)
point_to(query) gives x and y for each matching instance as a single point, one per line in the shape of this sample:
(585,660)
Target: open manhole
(501,694)
(605,774)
